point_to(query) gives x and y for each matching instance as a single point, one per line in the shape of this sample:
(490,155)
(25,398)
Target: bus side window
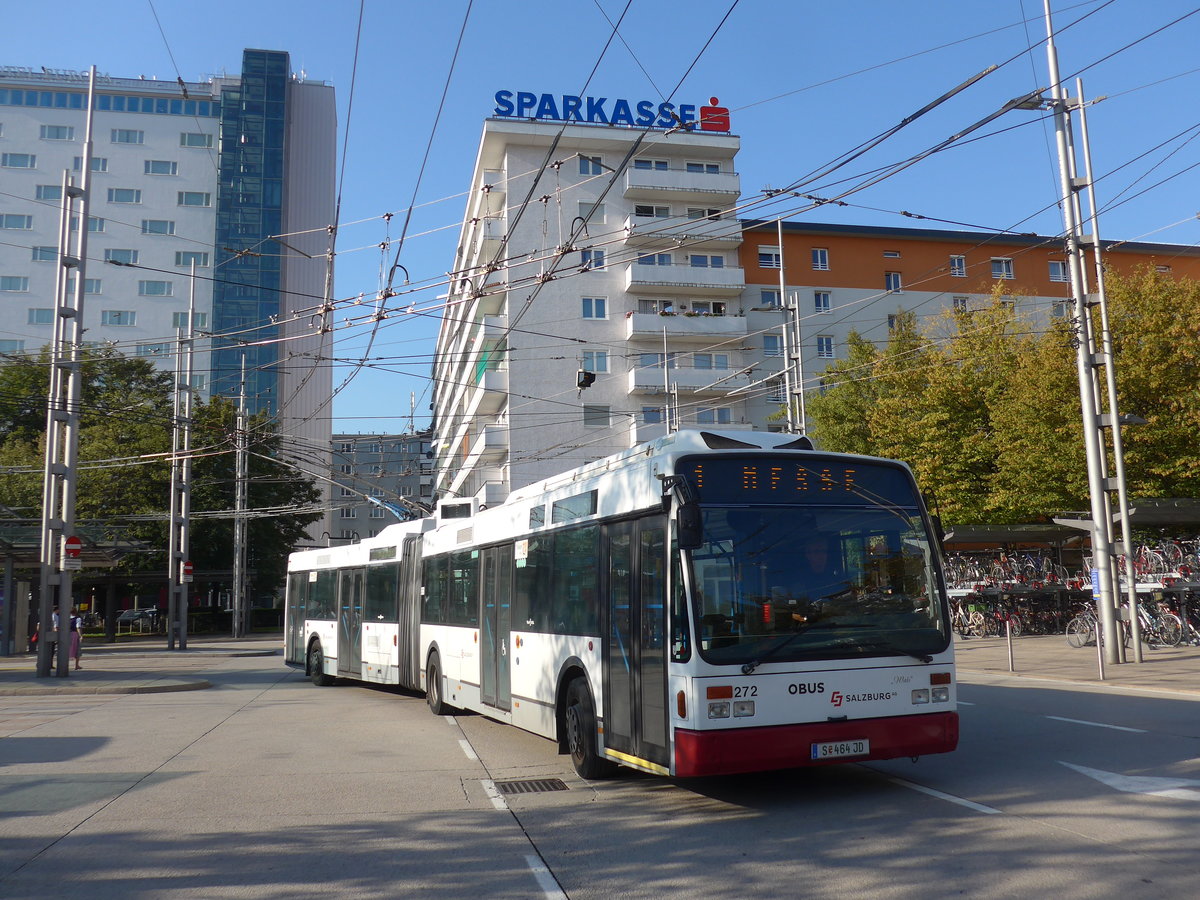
(433,603)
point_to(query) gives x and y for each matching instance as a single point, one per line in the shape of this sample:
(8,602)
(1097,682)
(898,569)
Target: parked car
(143,618)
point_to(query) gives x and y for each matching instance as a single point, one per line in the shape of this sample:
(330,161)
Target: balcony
(727,281)
(490,445)
(678,184)
(683,326)
(491,396)
(495,328)
(649,380)
(719,234)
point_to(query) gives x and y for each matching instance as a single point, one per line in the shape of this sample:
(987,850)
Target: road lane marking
(1096,724)
(489,788)
(545,879)
(969,804)
(1173,788)
(965,703)
(451,720)
(468,749)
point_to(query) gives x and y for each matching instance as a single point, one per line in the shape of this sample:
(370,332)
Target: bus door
(350,609)
(495,622)
(635,670)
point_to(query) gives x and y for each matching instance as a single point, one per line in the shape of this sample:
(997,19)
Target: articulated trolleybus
(703,604)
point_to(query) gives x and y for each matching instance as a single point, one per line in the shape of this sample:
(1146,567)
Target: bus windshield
(788,583)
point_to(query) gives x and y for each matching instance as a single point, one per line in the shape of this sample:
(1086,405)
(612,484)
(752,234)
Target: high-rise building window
(18,160)
(155,288)
(595,307)
(822,302)
(195,139)
(589,165)
(124,195)
(596,416)
(1059,270)
(16,283)
(710,416)
(57,133)
(595,360)
(118,317)
(824,346)
(958,266)
(128,136)
(194,198)
(162,167)
(893,282)
(1002,267)
(820,259)
(591,259)
(772,345)
(158,226)
(770,258)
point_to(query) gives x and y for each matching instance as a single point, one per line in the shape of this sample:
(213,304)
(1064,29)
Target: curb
(38,690)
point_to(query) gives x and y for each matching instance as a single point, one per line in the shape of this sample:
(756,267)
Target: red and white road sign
(71,548)
(185,571)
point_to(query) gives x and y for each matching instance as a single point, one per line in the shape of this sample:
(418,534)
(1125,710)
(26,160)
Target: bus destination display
(751,479)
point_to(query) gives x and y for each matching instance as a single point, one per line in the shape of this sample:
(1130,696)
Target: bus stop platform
(1050,658)
(142,666)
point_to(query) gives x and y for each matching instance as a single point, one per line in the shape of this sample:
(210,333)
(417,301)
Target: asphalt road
(265,786)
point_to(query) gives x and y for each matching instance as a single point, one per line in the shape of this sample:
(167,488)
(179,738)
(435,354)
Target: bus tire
(433,688)
(580,727)
(316,665)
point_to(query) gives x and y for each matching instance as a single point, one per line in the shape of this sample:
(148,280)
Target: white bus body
(660,609)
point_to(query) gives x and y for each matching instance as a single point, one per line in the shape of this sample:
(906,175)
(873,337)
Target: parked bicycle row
(1163,562)
(1162,623)
(1167,621)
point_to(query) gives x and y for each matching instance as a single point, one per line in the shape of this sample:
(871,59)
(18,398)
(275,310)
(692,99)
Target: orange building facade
(845,278)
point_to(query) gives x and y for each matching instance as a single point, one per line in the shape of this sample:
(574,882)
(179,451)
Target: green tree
(124,473)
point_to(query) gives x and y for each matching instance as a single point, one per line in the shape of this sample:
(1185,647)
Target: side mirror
(691,526)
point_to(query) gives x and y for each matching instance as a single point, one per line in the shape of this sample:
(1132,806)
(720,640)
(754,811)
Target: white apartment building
(210,173)
(588,250)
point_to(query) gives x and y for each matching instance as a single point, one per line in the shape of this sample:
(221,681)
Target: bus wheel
(433,688)
(316,665)
(580,724)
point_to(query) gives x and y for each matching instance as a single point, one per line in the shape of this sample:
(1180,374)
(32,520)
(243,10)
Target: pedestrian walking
(76,636)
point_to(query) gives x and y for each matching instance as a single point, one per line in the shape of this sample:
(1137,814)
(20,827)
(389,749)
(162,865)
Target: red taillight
(720,692)
(939,678)
(681,704)
(766,613)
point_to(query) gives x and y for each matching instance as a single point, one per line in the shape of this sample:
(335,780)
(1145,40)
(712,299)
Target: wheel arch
(571,669)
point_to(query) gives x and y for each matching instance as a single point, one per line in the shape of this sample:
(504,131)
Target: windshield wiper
(749,667)
(885,646)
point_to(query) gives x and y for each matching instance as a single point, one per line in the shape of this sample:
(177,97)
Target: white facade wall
(153,317)
(496,431)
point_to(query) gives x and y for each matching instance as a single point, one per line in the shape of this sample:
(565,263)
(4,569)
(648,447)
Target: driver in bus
(823,584)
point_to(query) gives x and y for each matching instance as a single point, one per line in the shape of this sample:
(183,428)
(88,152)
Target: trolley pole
(786,334)
(239,515)
(59,544)
(1086,359)
(181,476)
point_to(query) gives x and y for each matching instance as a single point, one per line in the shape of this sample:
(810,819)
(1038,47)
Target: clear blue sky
(806,82)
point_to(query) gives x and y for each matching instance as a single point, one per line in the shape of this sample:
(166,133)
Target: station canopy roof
(1181,514)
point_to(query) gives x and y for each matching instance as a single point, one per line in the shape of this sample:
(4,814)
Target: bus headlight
(941,695)
(920,695)
(743,708)
(718,709)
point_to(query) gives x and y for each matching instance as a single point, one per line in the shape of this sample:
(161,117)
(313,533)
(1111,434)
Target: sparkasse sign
(601,111)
